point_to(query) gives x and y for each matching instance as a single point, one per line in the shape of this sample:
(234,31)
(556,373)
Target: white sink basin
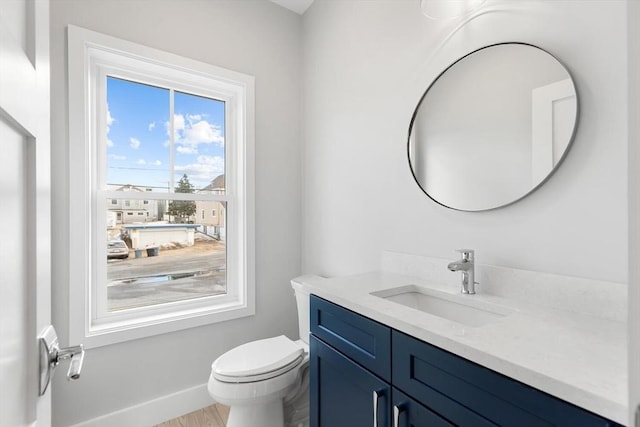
(458,308)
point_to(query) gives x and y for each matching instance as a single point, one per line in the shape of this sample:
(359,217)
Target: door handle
(51,355)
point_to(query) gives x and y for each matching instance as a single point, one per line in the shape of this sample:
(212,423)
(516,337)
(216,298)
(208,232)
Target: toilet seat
(258,360)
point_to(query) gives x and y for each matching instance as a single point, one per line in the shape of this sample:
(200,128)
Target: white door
(553,114)
(25,267)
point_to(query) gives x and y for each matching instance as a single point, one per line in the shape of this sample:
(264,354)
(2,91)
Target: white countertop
(577,357)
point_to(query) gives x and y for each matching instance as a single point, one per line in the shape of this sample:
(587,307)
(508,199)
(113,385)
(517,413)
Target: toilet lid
(257,357)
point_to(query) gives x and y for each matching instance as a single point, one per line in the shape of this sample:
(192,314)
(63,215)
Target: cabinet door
(409,413)
(343,394)
(471,395)
(360,339)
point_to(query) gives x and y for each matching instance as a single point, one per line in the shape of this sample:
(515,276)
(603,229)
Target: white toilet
(266,382)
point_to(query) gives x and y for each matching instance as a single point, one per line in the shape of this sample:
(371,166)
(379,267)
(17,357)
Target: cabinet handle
(396,415)
(376,397)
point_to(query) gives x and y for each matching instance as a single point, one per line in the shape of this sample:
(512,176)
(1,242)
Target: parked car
(117,249)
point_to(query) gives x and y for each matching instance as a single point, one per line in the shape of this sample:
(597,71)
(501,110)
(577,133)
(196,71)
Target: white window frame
(91,56)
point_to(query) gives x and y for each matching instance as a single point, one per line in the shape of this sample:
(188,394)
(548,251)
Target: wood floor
(211,416)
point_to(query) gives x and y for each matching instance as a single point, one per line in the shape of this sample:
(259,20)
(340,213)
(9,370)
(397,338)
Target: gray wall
(634,208)
(253,37)
(361,67)
(366,65)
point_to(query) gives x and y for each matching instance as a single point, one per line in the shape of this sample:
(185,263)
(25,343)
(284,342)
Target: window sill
(114,330)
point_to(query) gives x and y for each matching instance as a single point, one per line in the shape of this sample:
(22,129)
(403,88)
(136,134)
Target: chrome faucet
(467,267)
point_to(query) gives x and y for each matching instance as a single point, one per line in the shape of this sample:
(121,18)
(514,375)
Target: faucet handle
(467,254)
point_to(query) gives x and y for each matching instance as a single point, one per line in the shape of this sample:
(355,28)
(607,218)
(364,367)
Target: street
(173,275)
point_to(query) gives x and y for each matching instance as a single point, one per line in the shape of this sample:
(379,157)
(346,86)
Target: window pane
(152,261)
(199,141)
(137,135)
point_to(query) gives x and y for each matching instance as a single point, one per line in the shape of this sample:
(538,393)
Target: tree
(183,209)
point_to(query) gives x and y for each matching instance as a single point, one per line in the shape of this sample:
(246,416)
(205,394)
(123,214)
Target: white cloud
(178,127)
(110,121)
(178,121)
(202,132)
(117,157)
(204,170)
(178,124)
(192,131)
(141,162)
(134,143)
(152,126)
(110,118)
(211,160)
(157,163)
(186,149)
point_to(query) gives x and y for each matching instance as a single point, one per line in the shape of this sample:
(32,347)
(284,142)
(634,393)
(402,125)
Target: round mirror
(492,127)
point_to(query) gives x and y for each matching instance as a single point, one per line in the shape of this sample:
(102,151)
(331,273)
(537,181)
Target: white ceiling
(298,6)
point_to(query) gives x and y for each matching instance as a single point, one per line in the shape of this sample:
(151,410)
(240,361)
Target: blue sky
(138,136)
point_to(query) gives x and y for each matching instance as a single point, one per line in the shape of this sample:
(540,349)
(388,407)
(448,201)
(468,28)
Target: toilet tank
(302,302)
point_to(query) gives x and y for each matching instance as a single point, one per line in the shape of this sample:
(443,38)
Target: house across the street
(149,235)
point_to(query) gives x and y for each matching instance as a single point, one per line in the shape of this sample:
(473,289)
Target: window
(213,212)
(162,129)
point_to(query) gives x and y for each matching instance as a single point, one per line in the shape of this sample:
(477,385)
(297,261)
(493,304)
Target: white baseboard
(155,411)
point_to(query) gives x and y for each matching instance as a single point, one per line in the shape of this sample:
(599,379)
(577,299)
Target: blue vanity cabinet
(447,383)
(350,358)
(407,412)
(344,394)
(362,340)
(360,367)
